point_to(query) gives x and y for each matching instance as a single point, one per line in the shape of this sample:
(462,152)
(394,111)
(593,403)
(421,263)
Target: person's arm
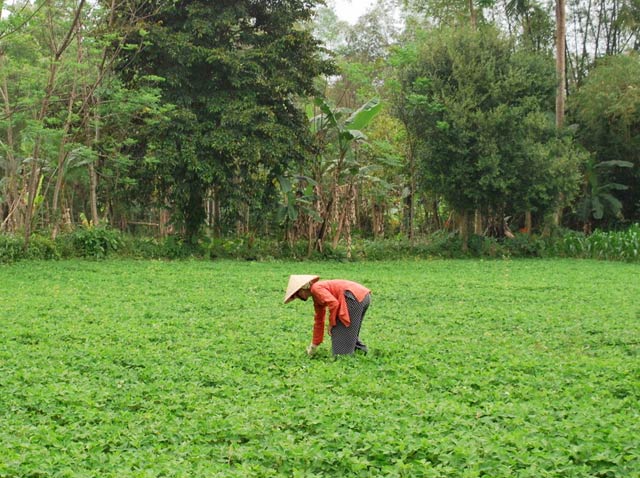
(318,324)
(323,296)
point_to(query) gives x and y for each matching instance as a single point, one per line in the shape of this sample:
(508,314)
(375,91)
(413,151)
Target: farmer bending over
(347,302)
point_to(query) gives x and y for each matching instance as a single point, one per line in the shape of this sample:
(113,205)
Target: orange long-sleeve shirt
(330,294)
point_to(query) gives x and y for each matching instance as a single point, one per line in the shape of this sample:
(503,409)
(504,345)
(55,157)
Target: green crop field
(196,369)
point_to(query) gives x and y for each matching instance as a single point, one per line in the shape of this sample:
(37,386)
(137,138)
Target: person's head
(299,287)
(304,293)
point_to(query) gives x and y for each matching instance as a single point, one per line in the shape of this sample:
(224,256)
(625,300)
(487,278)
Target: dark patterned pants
(344,339)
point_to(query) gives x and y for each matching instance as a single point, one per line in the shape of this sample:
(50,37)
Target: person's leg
(365,305)
(344,340)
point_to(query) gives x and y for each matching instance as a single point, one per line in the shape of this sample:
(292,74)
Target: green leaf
(616,186)
(613,202)
(615,162)
(327,114)
(285,184)
(363,116)
(597,208)
(292,212)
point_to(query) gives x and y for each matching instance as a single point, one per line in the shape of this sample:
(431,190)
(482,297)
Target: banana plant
(344,124)
(343,128)
(296,196)
(598,200)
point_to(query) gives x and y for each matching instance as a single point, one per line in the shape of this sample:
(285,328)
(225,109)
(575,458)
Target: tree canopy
(234,72)
(201,117)
(482,114)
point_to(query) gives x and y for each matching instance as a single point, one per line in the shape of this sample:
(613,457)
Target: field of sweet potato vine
(196,369)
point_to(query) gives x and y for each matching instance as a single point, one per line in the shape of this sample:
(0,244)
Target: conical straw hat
(297,282)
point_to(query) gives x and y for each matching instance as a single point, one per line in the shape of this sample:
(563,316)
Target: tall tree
(479,110)
(536,27)
(446,12)
(57,46)
(46,32)
(56,56)
(337,133)
(599,28)
(364,73)
(560,61)
(233,69)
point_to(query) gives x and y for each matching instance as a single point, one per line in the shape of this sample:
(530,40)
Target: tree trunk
(341,223)
(217,216)
(62,156)
(8,221)
(93,175)
(93,194)
(473,14)
(351,218)
(560,78)
(560,61)
(411,198)
(463,227)
(62,153)
(477,223)
(164,222)
(326,216)
(377,221)
(36,171)
(323,228)
(436,221)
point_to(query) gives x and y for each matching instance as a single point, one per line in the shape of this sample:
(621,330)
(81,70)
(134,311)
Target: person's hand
(311,349)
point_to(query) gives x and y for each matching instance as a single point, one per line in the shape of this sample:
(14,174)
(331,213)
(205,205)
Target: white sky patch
(351,10)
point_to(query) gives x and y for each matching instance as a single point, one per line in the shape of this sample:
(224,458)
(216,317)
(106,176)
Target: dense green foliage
(603,245)
(99,243)
(607,109)
(233,71)
(477,368)
(165,117)
(482,117)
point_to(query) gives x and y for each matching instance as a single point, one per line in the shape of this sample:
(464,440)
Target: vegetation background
(270,130)
(247,121)
(124,368)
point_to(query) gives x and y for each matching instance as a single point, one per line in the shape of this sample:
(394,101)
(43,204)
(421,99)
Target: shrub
(297,250)
(41,247)
(65,246)
(11,248)
(175,247)
(96,242)
(617,245)
(441,244)
(142,248)
(99,242)
(251,249)
(611,245)
(525,245)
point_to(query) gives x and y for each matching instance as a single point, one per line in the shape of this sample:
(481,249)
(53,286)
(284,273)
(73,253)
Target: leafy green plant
(525,245)
(598,200)
(176,247)
(296,196)
(337,131)
(41,247)
(611,245)
(96,242)
(623,245)
(194,368)
(10,248)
